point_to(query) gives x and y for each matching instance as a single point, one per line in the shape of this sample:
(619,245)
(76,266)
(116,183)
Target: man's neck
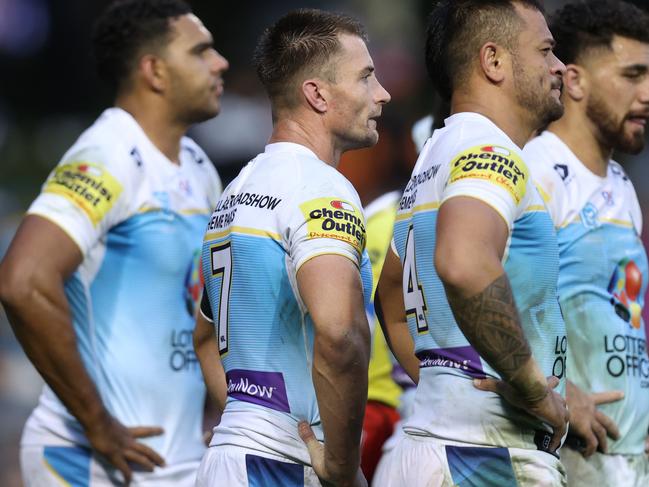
(309,134)
(578,133)
(164,132)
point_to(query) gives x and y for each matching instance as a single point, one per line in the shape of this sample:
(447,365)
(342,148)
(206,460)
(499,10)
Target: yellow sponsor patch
(335,218)
(492,163)
(87,185)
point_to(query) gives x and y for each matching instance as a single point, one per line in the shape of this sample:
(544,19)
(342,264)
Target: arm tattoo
(490,321)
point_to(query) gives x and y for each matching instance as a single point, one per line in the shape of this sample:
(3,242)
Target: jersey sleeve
(494,174)
(85,195)
(323,220)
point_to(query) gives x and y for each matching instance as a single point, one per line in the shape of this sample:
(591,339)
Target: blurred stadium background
(49,93)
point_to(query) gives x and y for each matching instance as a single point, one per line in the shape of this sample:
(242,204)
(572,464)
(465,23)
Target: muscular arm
(471,238)
(331,289)
(207,352)
(388,302)
(32,276)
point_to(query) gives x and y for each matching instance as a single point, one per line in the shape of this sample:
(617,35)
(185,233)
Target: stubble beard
(611,132)
(542,107)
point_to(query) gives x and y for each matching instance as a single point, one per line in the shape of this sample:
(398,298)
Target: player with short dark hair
(283,338)
(467,295)
(603,274)
(101,280)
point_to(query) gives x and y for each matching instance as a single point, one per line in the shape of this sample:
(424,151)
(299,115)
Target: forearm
(42,324)
(340,381)
(213,375)
(398,338)
(490,322)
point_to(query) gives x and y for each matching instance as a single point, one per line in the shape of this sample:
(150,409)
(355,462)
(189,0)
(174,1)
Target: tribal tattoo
(491,323)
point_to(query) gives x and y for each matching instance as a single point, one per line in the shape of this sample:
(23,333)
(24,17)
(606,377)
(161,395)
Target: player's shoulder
(304,174)
(470,138)
(109,143)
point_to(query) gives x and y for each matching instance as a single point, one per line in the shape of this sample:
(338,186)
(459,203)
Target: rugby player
(475,261)
(287,275)
(603,264)
(100,280)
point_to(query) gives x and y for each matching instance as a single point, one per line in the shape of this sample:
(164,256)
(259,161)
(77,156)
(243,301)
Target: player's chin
(632,143)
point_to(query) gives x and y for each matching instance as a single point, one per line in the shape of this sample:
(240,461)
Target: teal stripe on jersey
(261,333)
(72,464)
(479,467)
(532,257)
(266,472)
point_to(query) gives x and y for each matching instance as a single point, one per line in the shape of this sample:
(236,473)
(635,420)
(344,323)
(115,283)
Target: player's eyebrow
(202,46)
(635,69)
(549,40)
(367,70)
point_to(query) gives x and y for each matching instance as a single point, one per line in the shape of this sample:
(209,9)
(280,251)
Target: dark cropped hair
(127,27)
(302,41)
(581,26)
(456,31)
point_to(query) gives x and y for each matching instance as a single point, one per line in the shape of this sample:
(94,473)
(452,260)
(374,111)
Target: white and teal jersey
(138,220)
(602,282)
(285,207)
(472,157)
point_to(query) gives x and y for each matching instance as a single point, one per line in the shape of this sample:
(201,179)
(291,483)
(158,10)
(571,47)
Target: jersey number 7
(221,256)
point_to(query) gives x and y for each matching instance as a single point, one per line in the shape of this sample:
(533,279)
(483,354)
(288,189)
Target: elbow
(454,271)
(348,348)
(16,285)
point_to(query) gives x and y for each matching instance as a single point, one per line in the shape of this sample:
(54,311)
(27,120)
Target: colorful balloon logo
(194,284)
(625,287)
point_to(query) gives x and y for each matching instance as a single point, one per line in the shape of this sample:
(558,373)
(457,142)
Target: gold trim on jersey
(245,230)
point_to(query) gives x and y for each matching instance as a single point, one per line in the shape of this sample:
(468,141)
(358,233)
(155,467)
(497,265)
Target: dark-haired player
(475,263)
(97,281)
(603,264)
(286,272)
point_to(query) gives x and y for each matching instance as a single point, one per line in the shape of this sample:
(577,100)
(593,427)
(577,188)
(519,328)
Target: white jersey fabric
(138,219)
(285,207)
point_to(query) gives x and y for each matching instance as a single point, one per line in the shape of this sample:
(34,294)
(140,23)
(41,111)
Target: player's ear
(153,72)
(493,60)
(315,93)
(575,82)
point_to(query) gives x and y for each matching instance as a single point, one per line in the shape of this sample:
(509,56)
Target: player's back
(471,157)
(284,208)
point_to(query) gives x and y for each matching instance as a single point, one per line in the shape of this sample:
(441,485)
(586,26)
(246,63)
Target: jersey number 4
(413,294)
(222,267)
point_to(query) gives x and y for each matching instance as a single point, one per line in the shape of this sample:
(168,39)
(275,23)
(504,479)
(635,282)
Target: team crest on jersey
(89,186)
(334,218)
(493,163)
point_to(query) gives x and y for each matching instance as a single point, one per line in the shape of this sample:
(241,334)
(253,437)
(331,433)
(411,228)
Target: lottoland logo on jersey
(627,356)
(263,388)
(182,357)
(492,163)
(87,185)
(334,218)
